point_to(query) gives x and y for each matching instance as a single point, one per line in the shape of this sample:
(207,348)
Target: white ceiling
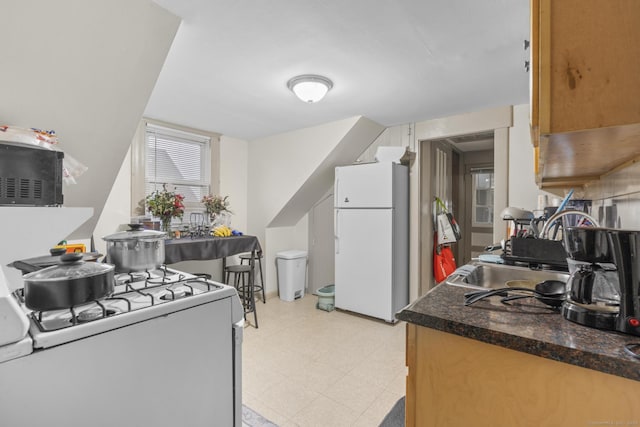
(393,61)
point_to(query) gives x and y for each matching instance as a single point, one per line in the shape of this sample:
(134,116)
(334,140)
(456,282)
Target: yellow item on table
(221,231)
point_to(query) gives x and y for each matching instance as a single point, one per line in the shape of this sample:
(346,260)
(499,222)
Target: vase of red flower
(165,205)
(165,224)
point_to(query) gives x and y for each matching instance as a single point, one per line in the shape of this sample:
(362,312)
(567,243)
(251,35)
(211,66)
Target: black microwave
(30,175)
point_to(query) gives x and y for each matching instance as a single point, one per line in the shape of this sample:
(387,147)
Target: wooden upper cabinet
(585,88)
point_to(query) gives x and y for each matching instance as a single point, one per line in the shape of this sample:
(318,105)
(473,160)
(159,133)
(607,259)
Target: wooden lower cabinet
(456,381)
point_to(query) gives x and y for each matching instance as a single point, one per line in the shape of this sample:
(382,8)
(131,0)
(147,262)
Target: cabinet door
(585,120)
(534,74)
(588,63)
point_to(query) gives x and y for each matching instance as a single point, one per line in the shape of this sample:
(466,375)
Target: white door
(364,186)
(363,263)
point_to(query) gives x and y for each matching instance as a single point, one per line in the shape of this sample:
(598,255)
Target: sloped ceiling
(320,181)
(85,69)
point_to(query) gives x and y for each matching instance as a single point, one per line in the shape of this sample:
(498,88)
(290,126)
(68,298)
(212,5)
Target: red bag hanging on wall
(443,261)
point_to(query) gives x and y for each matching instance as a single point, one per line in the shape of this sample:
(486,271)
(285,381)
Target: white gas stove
(137,297)
(163,337)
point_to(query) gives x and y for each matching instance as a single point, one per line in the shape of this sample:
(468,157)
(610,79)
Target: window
(176,156)
(482,193)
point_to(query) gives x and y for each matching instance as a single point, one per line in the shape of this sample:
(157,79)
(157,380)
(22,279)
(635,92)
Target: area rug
(251,418)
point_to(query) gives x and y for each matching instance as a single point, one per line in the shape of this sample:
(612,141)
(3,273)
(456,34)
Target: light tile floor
(306,367)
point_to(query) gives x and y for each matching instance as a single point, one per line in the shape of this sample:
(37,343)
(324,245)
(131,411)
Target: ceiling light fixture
(309,87)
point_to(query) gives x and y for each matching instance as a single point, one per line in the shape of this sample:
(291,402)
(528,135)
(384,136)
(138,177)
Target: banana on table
(222,231)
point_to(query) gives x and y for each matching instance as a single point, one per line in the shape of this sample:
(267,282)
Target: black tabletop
(204,248)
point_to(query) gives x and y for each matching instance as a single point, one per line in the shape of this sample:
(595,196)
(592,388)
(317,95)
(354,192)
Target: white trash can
(292,274)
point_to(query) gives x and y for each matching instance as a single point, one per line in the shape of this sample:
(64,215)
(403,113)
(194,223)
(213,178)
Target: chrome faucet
(558,215)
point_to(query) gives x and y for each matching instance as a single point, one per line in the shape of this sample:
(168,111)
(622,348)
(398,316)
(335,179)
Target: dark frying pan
(550,292)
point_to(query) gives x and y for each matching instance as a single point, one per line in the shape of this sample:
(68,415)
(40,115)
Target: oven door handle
(238,332)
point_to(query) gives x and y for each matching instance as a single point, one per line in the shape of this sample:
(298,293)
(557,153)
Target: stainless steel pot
(135,249)
(68,284)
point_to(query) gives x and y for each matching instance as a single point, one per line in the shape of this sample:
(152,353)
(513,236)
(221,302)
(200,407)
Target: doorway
(455,169)
(479,184)
(321,245)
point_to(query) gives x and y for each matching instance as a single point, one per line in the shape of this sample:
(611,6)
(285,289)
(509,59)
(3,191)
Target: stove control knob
(633,322)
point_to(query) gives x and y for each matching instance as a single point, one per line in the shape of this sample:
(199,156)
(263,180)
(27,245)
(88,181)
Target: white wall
(278,166)
(234,175)
(523,191)
(616,198)
(85,69)
(396,136)
(501,180)
(117,210)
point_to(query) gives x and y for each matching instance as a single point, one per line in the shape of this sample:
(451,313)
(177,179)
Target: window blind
(179,159)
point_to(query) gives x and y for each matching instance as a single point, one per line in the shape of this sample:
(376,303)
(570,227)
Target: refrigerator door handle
(336,233)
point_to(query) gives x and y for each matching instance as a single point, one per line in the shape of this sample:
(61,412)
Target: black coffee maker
(603,289)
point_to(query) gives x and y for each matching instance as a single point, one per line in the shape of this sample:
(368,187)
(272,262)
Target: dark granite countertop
(524,325)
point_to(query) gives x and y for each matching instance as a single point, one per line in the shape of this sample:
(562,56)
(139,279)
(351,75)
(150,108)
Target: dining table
(210,248)
(213,247)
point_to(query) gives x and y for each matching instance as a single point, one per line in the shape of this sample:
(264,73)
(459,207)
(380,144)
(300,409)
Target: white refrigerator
(372,239)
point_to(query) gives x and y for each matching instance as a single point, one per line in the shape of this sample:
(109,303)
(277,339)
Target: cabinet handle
(527,43)
(527,66)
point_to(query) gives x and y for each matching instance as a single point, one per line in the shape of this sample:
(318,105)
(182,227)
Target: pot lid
(49,260)
(136,232)
(71,266)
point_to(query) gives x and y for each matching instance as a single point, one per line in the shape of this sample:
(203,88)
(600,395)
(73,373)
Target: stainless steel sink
(482,275)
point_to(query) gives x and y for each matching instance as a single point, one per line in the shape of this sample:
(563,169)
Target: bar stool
(242,280)
(257,288)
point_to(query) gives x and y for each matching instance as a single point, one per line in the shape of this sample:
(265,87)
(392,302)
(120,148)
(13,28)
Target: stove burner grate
(166,280)
(137,291)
